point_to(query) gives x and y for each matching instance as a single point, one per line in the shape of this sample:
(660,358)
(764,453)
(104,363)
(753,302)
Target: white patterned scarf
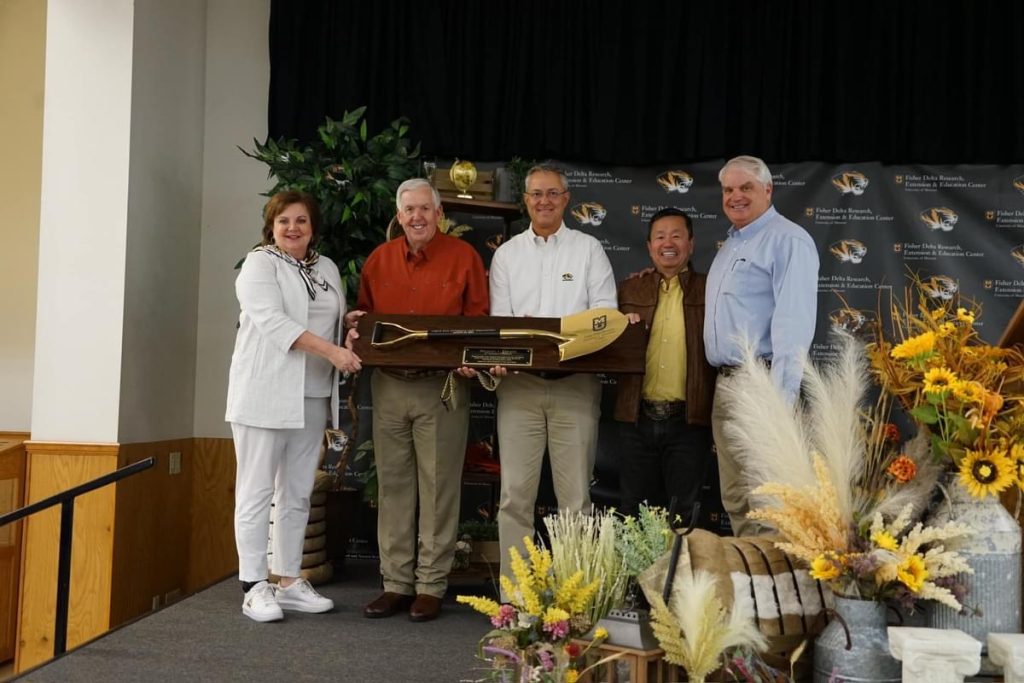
(311,277)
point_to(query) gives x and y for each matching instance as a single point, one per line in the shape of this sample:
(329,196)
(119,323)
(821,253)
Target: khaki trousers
(734,485)
(419,448)
(533,414)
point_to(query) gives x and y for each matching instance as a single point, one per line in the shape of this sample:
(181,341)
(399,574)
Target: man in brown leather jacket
(666,435)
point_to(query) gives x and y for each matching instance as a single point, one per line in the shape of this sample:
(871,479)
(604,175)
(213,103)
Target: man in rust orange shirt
(419,445)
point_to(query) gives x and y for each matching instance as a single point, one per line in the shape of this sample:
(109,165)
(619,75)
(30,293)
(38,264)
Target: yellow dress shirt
(665,377)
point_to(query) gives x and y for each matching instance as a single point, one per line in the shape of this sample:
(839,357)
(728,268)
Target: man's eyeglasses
(537,195)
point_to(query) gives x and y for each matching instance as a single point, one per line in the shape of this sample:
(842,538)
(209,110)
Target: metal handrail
(67,519)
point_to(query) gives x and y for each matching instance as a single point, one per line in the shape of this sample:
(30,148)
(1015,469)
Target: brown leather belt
(662,410)
(403,374)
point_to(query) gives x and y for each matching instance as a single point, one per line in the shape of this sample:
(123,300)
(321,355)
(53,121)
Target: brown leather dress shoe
(388,604)
(425,608)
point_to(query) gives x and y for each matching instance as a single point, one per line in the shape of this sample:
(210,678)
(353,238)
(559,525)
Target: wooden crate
(644,666)
(483,188)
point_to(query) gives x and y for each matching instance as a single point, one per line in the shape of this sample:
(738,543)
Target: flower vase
(993,551)
(861,625)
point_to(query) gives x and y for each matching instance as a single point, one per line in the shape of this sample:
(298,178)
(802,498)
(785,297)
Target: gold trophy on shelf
(463,175)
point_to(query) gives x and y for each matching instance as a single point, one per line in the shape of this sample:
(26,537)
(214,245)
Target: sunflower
(986,473)
(1017,458)
(947,329)
(911,573)
(963,315)
(915,348)
(969,391)
(939,381)
(824,568)
(902,469)
(884,540)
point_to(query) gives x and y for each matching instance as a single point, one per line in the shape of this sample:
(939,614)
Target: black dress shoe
(388,604)
(425,608)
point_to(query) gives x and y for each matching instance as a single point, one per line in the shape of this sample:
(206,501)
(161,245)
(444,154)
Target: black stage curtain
(638,83)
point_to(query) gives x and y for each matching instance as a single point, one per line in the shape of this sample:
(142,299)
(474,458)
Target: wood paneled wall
(52,468)
(212,553)
(146,541)
(12,496)
(151,530)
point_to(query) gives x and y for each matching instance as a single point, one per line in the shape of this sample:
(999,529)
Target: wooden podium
(626,355)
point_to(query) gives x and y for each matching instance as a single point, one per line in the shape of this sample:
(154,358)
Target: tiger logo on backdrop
(1018,254)
(848,251)
(847,320)
(589,213)
(939,218)
(494,241)
(1018,183)
(675,181)
(850,182)
(940,287)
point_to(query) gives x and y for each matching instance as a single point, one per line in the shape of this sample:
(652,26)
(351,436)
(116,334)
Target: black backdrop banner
(959,228)
(637,83)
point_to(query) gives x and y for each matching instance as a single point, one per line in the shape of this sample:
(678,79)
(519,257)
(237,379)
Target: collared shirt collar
(664,285)
(424,252)
(757,226)
(670,284)
(553,237)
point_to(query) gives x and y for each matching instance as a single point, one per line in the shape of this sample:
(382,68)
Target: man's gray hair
(548,167)
(751,165)
(415,184)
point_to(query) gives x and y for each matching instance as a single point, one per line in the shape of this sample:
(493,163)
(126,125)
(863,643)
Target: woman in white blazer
(282,389)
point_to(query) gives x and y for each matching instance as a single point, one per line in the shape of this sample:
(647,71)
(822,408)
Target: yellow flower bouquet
(957,387)
(533,634)
(835,482)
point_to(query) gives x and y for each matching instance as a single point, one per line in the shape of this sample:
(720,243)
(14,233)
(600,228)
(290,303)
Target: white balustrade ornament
(1007,650)
(933,655)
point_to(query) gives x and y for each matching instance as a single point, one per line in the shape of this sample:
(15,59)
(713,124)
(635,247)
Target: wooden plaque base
(626,355)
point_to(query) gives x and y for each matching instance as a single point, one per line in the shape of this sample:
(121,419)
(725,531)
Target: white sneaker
(302,597)
(260,604)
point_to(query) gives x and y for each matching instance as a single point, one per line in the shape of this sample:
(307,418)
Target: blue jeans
(661,459)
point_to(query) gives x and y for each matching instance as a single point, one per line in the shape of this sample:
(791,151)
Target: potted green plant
(483,535)
(353,176)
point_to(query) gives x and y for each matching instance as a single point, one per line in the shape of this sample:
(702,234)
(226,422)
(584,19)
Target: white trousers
(275,465)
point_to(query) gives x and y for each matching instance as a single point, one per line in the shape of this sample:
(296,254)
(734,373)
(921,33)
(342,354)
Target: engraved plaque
(489,356)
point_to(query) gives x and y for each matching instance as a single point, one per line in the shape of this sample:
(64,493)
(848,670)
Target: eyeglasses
(537,195)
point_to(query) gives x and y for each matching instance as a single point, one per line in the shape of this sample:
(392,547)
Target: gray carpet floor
(207,638)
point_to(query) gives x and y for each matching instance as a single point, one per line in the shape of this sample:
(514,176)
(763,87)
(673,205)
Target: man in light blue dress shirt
(762,289)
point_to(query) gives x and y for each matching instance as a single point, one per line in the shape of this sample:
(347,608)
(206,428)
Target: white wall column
(83,220)
(120,221)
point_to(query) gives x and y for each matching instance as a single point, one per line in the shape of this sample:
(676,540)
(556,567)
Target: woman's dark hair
(281,201)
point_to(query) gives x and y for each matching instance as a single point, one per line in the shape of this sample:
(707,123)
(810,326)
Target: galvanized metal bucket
(855,645)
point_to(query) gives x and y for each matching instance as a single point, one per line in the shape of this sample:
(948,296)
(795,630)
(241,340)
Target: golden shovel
(579,333)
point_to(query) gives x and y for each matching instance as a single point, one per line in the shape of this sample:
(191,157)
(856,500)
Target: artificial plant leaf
(926,414)
(940,449)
